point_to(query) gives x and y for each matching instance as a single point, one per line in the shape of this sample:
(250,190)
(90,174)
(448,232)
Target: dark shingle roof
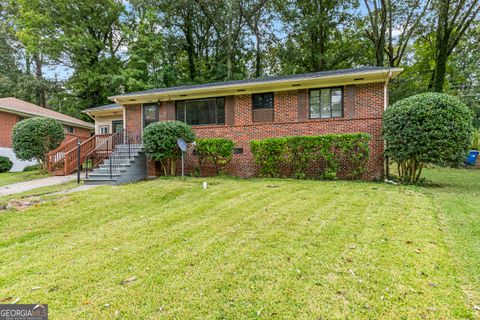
(320,74)
(105,107)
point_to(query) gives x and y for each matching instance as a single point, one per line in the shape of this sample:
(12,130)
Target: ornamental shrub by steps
(33,138)
(426,128)
(217,152)
(322,156)
(160,142)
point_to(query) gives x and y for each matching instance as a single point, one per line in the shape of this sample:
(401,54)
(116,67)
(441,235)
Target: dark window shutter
(349,105)
(230,110)
(302,104)
(170,110)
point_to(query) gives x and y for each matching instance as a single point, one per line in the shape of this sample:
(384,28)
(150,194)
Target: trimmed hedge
(5,164)
(322,156)
(217,152)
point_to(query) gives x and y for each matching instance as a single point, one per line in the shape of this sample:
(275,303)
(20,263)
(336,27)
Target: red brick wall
(363,108)
(82,133)
(7,122)
(133,118)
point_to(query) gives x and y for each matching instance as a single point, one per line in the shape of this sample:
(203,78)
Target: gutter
(385,106)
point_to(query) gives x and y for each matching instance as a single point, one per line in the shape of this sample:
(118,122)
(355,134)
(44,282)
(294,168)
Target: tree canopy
(75,54)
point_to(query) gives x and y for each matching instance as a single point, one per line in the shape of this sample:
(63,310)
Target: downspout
(385,106)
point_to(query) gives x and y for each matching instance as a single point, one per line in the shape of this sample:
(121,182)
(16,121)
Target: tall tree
(315,30)
(453,18)
(259,24)
(230,26)
(85,35)
(392,24)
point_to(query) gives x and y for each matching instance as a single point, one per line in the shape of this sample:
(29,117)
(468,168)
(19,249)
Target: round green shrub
(426,128)
(33,138)
(160,142)
(5,164)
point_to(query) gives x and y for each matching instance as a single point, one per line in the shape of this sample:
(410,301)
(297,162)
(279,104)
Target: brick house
(340,101)
(13,110)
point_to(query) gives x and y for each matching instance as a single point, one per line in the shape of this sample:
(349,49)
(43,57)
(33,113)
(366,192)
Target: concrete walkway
(33,184)
(81,187)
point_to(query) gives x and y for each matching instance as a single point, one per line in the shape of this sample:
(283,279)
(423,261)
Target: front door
(117,126)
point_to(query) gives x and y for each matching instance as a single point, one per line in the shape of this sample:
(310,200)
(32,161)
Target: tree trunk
(190,46)
(258,62)
(441,47)
(229,67)
(440,70)
(39,76)
(173,167)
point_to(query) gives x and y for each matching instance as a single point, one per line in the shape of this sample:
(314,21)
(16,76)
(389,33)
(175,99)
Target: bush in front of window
(217,152)
(5,164)
(160,142)
(33,138)
(321,157)
(426,128)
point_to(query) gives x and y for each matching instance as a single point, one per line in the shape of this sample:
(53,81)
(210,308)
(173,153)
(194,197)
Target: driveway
(33,184)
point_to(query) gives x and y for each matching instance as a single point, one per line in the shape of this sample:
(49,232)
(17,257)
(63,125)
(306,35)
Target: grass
(248,249)
(14,177)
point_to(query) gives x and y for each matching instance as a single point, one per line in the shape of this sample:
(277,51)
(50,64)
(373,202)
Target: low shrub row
(216,152)
(322,156)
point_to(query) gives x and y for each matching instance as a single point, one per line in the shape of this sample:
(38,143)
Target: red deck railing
(56,157)
(64,159)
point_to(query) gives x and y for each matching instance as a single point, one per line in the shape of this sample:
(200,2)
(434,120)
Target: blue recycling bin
(472,158)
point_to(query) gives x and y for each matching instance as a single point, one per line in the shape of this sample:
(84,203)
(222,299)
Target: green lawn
(14,177)
(250,249)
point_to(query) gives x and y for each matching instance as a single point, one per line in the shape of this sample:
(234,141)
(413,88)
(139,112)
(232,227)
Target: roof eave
(264,86)
(102,111)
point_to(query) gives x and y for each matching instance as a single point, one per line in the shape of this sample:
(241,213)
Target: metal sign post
(183,147)
(78,161)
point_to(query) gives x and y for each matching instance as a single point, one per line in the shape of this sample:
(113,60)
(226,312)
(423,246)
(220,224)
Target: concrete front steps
(128,166)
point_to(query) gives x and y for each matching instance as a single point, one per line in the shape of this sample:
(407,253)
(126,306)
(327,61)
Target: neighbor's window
(69,129)
(150,113)
(262,101)
(326,103)
(202,111)
(103,129)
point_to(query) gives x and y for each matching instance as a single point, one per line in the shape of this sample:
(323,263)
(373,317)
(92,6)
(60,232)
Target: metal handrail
(116,156)
(108,149)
